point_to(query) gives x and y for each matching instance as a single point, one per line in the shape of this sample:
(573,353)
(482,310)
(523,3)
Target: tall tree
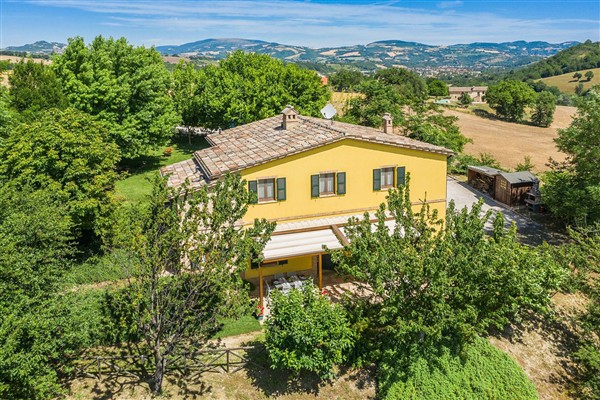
(438,280)
(191,252)
(185,94)
(127,87)
(572,189)
(346,79)
(65,151)
(407,83)
(543,109)
(247,87)
(34,87)
(509,99)
(377,99)
(436,87)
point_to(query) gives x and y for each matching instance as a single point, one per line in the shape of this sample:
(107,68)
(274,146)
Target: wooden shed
(482,178)
(511,188)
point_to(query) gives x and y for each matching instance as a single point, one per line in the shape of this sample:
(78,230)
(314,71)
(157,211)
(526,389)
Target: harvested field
(566,83)
(509,142)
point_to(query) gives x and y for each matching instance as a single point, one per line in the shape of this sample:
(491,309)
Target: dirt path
(510,142)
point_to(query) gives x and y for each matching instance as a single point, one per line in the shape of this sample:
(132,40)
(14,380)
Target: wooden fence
(188,364)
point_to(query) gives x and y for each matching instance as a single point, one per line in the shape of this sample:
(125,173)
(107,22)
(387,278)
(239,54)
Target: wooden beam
(321,272)
(340,235)
(260,286)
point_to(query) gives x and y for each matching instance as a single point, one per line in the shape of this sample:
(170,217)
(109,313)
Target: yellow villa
(310,175)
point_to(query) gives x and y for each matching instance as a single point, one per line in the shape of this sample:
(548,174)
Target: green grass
(135,186)
(233,327)
(106,268)
(566,84)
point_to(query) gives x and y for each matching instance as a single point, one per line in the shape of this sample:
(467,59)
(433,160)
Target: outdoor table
(282,284)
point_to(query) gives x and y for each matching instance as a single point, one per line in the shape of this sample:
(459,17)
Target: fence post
(227,355)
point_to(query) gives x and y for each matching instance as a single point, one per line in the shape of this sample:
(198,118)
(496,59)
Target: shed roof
(519,177)
(485,170)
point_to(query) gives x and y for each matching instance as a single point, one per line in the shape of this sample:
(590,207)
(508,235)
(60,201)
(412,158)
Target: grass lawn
(135,186)
(232,327)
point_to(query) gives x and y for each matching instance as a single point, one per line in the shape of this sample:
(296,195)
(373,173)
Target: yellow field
(567,84)
(340,99)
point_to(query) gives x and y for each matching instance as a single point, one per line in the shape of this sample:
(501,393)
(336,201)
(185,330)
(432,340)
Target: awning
(300,243)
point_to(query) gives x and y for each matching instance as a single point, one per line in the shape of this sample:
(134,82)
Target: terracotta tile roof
(459,89)
(262,141)
(181,171)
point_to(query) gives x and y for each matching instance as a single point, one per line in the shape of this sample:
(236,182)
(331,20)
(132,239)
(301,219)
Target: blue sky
(301,22)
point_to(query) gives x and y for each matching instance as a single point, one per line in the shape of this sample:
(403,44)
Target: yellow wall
(357,159)
(294,264)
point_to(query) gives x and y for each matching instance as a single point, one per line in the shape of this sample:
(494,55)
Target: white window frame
(262,188)
(387,177)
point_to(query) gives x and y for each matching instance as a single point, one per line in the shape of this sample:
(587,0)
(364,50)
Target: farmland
(509,142)
(565,82)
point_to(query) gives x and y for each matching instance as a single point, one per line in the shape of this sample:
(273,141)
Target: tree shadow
(277,382)
(485,114)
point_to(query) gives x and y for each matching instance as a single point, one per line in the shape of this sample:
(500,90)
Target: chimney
(388,125)
(289,118)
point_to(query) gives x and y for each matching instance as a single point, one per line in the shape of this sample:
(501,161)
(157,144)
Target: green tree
(526,165)
(408,84)
(437,281)
(126,87)
(34,87)
(378,99)
(35,251)
(6,117)
(247,87)
(572,189)
(543,109)
(577,76)
(589,75)
(465,99)
(190,255)
(509,99)
(436,87)
(67,152)
(306,332)
(579,90)
(185,91)
(346,79)
(427,122)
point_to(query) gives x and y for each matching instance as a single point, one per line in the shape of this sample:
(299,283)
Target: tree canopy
(34,87)
(127,87)
(65,151)
(247,87)
(572,189)
(437,87)
(543,109)
(509,99)
(346,79)
(408,84)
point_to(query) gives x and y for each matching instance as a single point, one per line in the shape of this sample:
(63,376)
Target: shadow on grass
(277,382)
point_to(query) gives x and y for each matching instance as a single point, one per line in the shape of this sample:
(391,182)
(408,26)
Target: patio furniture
(282,285)
(295,282)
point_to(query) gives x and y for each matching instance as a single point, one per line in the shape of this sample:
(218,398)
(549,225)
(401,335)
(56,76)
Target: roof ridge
(330,127)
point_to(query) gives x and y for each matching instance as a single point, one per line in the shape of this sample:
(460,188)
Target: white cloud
(323,24)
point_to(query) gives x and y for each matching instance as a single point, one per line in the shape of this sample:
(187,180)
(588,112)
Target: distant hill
(566,84)
(41,47)
(387,53)
(583,56)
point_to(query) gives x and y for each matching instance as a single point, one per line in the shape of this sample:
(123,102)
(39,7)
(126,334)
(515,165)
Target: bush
(306,332)
(460,163)
(483,372)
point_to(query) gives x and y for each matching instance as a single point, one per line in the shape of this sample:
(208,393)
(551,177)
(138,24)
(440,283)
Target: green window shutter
(314,186)
(281,189)
(341,183)
(376,179)
(253,188)
(400,176)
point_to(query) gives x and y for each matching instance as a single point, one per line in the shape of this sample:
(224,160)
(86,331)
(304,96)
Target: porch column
(260,285)
(320,271)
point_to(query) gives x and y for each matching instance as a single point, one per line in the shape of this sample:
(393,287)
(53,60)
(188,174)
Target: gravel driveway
(529,231)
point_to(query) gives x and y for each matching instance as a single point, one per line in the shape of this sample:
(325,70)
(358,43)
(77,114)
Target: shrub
(306,332)
(483,372)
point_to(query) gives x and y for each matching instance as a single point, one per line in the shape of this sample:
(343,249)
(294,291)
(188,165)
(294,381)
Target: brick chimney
(289,118)
(388,123)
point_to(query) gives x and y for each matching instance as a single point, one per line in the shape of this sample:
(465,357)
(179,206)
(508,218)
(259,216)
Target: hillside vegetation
(583,56)
(567,84)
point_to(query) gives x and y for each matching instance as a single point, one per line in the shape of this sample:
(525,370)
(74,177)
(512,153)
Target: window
(266,190)
(387,178)
(326,184)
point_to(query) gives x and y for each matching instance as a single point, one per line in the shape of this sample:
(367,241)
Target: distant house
(477,93)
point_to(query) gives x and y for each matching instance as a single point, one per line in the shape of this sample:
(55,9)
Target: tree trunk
(159,373)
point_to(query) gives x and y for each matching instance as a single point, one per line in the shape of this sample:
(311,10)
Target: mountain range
(376,55)
(381,54)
